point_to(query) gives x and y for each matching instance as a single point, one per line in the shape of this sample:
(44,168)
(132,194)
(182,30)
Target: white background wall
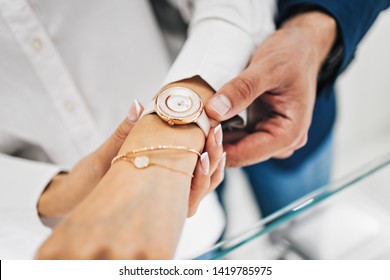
(363,126)
(362,130)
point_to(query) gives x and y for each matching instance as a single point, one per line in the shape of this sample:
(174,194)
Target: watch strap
(150,108)
(204,123)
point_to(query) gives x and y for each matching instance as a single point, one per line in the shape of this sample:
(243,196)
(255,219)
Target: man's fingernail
(220,104)
(205,163)
(218,134)
(222,162)
(134,111)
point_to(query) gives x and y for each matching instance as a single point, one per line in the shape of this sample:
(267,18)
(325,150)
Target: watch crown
(170,122)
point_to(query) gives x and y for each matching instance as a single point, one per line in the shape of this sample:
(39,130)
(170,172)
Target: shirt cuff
(215,50)
(21,185)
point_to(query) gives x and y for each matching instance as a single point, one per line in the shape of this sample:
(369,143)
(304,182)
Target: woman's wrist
(153,131)
(128,179)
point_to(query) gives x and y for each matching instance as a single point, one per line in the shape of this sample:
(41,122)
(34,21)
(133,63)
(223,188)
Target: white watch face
(179,105)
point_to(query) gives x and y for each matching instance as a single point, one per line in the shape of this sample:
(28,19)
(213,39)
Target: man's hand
(278,88)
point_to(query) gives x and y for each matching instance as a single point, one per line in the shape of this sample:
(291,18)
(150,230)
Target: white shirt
(69,71)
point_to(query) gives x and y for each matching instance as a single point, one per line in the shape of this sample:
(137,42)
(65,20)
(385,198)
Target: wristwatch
(179,105)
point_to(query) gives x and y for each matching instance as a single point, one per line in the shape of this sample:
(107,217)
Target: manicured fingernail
(222,162)
(220,104)
(134,111)
(205,163)
(218,134)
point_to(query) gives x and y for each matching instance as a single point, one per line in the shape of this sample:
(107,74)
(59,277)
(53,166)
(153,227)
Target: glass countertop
(346,219)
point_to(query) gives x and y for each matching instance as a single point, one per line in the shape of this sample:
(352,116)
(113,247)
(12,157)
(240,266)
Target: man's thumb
(234,97)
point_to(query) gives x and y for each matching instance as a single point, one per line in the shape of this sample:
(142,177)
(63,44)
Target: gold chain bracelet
(143,161)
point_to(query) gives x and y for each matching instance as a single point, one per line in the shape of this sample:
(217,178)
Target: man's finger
(231,137)
(240,155)
(284,154)
(235,96)
(290,151)
(258,146)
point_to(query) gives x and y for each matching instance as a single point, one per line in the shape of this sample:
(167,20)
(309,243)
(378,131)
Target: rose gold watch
(179,105)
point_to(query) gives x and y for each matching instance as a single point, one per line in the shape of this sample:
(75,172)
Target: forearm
(319,28)
(163,191)
(151,203)
(354,18)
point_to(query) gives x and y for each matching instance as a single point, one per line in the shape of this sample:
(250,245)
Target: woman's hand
(136,214)
(139,213)
(66,190)
(209,172)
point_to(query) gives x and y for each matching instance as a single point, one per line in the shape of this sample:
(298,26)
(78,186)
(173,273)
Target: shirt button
(37,44)
(69,106)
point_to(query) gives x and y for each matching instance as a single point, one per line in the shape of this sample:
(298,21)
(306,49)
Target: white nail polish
(205,163)
(137,106)
(218,134)
(134,111)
